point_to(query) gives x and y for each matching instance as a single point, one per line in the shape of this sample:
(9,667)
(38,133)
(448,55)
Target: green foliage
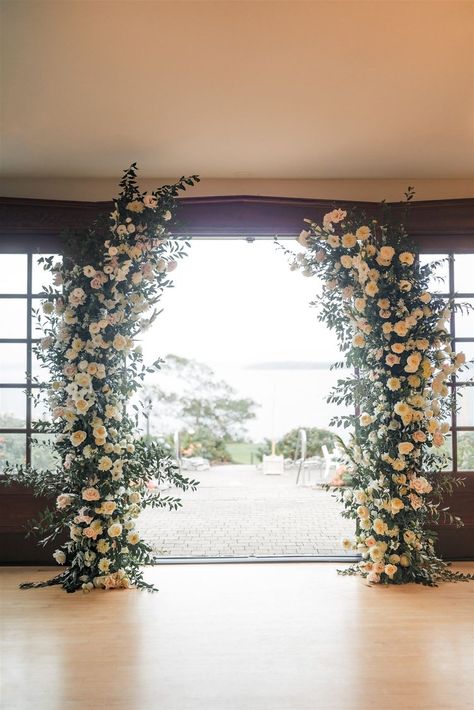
(287,445)
(205,409)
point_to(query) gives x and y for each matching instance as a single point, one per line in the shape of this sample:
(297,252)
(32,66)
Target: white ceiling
(255,89)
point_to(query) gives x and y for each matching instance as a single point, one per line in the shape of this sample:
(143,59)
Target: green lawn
(242,453)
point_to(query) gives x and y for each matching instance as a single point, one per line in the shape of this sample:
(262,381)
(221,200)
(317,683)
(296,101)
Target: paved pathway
(238,512)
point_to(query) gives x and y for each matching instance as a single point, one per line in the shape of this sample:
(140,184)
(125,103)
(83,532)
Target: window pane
(39,406)
(41,278)
(12,408)
(465,406)
(13,269)
(439,283)
(42,454)
(12,362)
(467,372)
(465,450)
(447,450)
(37,330)
(39,371)
(463,270)
(465,320)
(12,449)
(13,317)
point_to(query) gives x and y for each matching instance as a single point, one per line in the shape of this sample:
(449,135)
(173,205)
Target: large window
(455,282)
(22,279)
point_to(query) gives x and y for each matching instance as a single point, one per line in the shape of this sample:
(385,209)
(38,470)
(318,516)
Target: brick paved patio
(239,512)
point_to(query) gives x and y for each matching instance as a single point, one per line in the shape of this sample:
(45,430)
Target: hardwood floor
(238,637)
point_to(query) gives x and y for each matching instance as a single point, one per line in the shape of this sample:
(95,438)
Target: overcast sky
(238,303)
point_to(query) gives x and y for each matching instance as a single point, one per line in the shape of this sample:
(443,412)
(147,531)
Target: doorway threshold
(253,559)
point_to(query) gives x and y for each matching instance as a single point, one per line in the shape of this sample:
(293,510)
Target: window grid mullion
(454,450)
(29,359)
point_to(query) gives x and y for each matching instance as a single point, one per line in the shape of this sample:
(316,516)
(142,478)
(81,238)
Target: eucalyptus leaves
(110,276)
(392,332)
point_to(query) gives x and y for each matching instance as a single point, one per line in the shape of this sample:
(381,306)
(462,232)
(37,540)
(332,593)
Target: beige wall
(97,189)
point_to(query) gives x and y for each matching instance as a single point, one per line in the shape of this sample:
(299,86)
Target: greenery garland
(392,333)
(111,274)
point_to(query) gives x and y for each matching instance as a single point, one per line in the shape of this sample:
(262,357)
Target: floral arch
(390,329)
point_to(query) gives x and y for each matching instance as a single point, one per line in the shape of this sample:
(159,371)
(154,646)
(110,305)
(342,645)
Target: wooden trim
(18,506)
(458,543)
(436,225)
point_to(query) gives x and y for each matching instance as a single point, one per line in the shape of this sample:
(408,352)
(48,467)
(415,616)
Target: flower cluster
(394,336)
(102,293)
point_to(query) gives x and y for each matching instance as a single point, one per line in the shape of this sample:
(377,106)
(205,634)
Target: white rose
(59,556)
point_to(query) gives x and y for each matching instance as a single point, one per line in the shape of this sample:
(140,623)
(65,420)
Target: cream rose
(78,437)
(363,233)
(150,201)
(405,447)
(104,565)
(371,288)
(358,340)
(407,258)
(349,240)
(114,530)
(90,494)
(133,538)
(105,463)
(63,500)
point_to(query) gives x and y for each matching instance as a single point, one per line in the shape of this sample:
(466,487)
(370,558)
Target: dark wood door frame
(31,224)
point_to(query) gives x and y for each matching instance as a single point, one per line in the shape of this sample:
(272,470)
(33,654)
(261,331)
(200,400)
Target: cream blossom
(371,288)
(349,240)
(407,258)
(105,463)
(108,507)
(59,556)
(335,216)
(114,530)
(396,504)
(150,201)
(77,297)
(363,233)
(103,546)
(133,538)
(78,437)
(90,494)
(64,500)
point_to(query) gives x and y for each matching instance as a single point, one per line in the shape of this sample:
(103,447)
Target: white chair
(329,460)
